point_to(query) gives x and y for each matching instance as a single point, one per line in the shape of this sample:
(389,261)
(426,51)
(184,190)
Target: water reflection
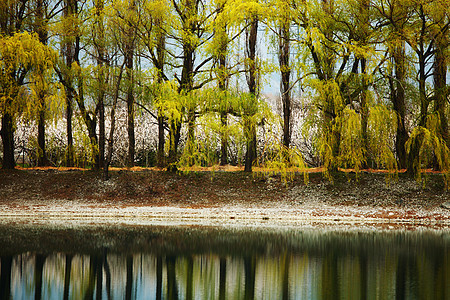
(213,264)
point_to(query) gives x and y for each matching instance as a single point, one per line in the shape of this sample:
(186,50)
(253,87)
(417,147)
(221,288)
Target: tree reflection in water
(275,266)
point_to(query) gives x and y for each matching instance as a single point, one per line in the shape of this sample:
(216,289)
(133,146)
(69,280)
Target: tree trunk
(102,80)
(129,56)
(7,134)
(440,87)
(108,157)
(161,143)
(222,82)
(422,91)
(71,50)
(283,57)
(130,116)
(69,113)
(92,131)
(364,111)
(42,156)
(174,139)
(223,140)
(398,101)
(251,154)
(160,52)
(43,36)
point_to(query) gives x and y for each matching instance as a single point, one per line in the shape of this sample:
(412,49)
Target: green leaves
(23,55)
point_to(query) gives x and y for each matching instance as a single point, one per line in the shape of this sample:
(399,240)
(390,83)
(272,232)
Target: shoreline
(79,213)
(226,199)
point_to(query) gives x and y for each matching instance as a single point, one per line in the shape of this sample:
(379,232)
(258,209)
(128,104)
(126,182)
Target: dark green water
(209,263)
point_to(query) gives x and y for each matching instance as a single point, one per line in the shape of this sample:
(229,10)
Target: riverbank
(150,197)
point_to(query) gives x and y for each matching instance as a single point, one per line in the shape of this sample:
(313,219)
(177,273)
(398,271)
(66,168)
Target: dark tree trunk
(7,133)
(43,36)
(222,82)
(108,157)
(422,91)
(174,139)
(69,113)
(91,124)
(413,166)
(364,110)
(186,81)
(130,116)
(129,56)
(398,101)
(363,34)
(160,52)
(223,140)
(161,142)
(251,154)
(440,87)
(101,132)
(102,81)
(71,50)
(283,57)
(42,157)
(187,72)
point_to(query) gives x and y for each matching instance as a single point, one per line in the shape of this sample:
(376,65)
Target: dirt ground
(221,197)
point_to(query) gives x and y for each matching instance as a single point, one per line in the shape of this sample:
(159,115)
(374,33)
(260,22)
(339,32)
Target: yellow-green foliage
(427,145)
(382,126)
(278,159)
(351,150)
(22,52)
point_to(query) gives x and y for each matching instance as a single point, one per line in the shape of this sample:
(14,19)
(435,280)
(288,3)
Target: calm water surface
(210,263)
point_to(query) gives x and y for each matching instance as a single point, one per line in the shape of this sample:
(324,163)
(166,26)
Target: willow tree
(339,45)
(280,23)
(41,29)
(191,31)
(152,28)
(126,15)
(102,76)
(440,65)
(423,25)
(222,40)
(70,36)
(23,57)
(246,15)
(394,17)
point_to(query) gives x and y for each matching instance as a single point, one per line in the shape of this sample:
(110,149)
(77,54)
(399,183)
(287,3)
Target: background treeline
(367,77)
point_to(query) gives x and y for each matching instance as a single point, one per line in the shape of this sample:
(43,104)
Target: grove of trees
(368,77)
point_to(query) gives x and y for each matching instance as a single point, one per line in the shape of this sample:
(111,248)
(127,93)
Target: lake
(145,262)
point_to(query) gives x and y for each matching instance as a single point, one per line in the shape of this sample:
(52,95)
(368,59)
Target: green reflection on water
(211,263)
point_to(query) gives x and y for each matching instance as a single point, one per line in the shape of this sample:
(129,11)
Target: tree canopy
(363,83)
